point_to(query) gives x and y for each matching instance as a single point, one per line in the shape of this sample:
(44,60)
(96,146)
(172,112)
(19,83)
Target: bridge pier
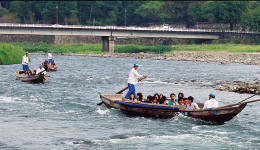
(108,44)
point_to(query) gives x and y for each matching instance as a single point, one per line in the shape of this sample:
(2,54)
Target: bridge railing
(124,28)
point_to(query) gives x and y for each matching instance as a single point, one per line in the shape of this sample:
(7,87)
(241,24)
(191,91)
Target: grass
(83,48)
(217,47)
(10,54)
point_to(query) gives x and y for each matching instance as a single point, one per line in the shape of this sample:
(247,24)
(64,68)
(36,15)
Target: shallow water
(62,113)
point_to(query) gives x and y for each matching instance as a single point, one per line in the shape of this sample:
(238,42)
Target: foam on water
(102,112)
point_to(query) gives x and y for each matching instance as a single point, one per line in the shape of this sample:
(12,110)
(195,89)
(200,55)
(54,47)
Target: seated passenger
(131,97)
(173,100)
(156,95)
(147,100)
(139,97)
(211,103)
(160,99)
(164,100)
(181,102)
(192,105)
(186,101)
(154,100)
(180,96)
(41,70)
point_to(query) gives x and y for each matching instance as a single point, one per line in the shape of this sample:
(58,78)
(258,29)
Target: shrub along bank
(10,54)
(82,48)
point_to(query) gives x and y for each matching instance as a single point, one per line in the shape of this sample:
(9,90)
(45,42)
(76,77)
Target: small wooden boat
(40,78)
(52,68)
(216,115)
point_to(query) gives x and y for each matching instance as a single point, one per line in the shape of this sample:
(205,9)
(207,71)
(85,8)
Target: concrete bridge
(109,33)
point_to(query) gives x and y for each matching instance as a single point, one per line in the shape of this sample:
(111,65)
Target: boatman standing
(133,79)
(50,58)
(25,62)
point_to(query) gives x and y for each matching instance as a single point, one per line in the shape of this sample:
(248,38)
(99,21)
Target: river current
(63,112)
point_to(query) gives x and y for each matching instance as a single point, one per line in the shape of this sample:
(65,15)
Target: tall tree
(227,11)
(251,19)
(152,12)
(180,11)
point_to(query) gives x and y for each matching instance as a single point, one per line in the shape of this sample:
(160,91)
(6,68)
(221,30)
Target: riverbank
(10,54)
(202,56)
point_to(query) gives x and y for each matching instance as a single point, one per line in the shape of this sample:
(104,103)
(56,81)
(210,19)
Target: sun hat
(136,65)
(212,94)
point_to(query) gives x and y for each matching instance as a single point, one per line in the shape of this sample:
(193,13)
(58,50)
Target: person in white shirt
(25,62)
(191,104)
(50,58)
(211,103)
(132,80)
(41,69)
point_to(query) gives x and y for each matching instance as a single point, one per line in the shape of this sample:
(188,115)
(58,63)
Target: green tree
(251,19)
(152,12)
(180,11)
(3,11)
(227,11)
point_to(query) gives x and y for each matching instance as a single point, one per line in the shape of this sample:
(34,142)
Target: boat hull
(33,79)
(140,108)
(216,115)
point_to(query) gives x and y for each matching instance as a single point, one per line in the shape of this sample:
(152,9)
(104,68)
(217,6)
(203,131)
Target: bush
(10,54)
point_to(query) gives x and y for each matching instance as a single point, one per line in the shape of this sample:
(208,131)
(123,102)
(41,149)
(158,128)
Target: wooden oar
(239,103)
(247,98)
(119,92)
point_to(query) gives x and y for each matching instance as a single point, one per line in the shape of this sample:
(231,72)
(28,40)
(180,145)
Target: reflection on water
(62,113)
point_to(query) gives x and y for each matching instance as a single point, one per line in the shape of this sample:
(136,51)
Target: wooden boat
(52,68)
(217,115)
(139,108)
(40,78)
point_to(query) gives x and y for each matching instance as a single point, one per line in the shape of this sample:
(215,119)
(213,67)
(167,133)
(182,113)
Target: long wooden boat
(216,115)
(40,78)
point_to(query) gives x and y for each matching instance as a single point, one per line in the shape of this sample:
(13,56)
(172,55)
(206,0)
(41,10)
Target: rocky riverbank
(241,87)
(202,56)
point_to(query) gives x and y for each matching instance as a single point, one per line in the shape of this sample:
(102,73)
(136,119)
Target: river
(63,112)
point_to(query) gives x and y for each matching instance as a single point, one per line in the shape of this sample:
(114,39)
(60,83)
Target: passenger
(164,100)
(45,64)
(160,100)
(180,95)
(192,105)
(147,100)
(173,100)
(181,102)
(186,101)
(154,100)
(211,103)
(156,95)
(41,70)
(139,97)
(131,97)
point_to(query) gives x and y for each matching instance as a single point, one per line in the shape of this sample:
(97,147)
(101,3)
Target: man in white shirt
(50,57)
(133,79)
(191,104)
(211,103)
(41,69)
(25,62)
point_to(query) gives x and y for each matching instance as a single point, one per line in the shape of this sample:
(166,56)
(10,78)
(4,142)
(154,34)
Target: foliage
(131,13)
(227,11)
(10,54)
(38,47)
(251,19)
(141,48)
(9,18)
(3,11)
